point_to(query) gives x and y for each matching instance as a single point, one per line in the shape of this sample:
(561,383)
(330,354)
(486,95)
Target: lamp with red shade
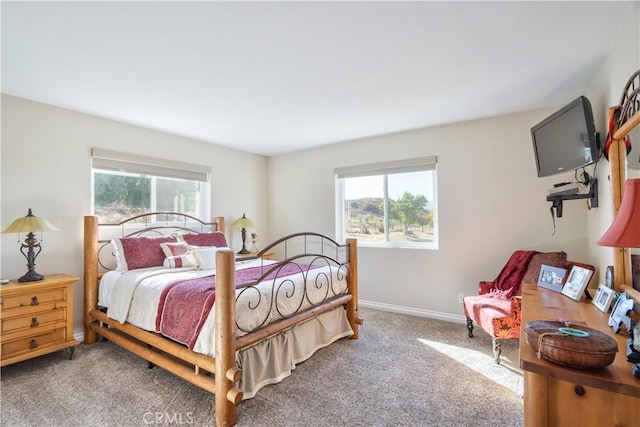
(624,232)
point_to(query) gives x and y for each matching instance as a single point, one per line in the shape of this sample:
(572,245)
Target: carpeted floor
(403,371)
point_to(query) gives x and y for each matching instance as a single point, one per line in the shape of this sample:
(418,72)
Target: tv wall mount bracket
(556,200)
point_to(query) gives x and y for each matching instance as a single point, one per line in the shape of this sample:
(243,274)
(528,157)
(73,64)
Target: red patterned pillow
(140,252)
(215,238)
(553,259)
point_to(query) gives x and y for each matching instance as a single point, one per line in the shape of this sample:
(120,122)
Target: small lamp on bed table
(243,223)
(28,224)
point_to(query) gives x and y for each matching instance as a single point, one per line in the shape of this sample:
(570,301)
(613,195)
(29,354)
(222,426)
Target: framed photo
(576,282)
(603,298)
(551,277)
(620,313)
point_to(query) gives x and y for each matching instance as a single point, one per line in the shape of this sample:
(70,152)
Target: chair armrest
(508,326)
(516,306)
(516,311)
(484,287)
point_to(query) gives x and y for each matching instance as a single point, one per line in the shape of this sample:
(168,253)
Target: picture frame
(603,297)
(577,282)
(620,313)
(551,277)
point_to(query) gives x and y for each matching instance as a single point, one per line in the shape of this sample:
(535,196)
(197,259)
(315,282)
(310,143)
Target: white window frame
(125,163)
(420,164)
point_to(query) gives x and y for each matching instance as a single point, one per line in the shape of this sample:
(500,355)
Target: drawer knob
(33,344)
(580,391)
(34,301)
(34,322)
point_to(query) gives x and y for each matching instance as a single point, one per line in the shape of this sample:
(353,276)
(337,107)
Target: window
(125,185)
(390,204)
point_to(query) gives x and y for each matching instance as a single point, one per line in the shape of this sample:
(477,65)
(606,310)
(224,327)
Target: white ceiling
(276,77)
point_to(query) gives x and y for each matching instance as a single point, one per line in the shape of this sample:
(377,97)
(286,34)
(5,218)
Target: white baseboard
(447,317)
(78,336)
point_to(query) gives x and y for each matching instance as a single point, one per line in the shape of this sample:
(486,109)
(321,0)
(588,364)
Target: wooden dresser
(558,396)
(36,317)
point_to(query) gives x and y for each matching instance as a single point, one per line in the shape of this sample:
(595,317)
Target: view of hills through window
(390,208)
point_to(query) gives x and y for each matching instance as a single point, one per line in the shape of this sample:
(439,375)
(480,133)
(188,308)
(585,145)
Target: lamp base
(31,276)
(243,251)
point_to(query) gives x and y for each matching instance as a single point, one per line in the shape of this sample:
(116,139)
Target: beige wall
(46,166)
(490,203)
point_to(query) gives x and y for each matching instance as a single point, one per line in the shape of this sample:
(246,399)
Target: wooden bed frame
(221,374)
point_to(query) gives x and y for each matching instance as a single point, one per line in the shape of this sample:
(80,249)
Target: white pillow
(204,257)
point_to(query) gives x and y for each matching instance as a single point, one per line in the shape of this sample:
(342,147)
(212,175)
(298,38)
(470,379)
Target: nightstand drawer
(33,299)
(32,343)
(33,321)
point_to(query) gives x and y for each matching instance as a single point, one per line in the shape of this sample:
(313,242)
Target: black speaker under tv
(566,140)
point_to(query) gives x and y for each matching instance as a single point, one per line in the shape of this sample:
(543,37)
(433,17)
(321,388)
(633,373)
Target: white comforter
(134,297)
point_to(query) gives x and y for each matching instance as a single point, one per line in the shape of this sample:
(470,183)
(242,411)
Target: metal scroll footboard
(300,282)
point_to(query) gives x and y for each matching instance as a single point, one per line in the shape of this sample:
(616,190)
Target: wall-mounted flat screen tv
(566,140)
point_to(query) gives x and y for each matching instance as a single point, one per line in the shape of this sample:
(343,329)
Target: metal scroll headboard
(147,224)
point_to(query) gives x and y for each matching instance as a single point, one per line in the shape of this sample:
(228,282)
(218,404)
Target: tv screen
(566,140)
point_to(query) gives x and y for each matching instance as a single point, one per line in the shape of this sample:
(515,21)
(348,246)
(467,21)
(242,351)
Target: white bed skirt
(272,360)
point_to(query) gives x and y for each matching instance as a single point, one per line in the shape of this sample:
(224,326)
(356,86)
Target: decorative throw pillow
(179,261)
(139,252)
(214,238)
(174,249)
(553,259)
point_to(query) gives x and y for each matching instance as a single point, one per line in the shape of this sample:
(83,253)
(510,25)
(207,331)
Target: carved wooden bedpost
(219,220)
(90,275)
(352,285)
(227,373)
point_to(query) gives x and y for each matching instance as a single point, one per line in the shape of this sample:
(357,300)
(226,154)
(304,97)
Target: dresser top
(545,304)
(49,280)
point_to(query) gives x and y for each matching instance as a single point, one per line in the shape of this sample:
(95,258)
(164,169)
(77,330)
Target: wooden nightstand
(266,255)
(36,317)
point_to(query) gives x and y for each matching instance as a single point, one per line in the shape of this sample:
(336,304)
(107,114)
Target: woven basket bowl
(593,352)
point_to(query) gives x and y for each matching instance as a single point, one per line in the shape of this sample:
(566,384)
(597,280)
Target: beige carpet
(403,371)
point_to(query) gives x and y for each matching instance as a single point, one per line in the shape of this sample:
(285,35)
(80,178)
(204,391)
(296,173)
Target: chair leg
(497,349)
(470,326)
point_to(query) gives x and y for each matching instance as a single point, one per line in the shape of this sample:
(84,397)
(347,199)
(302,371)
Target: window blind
(386,168)
(133,163)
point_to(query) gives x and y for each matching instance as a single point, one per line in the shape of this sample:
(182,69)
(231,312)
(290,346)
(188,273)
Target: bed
(166,287)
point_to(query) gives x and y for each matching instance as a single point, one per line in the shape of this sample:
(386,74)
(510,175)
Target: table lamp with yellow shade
(30,224)
(242,224)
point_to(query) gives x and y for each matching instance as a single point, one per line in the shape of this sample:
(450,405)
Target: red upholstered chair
(497,307)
